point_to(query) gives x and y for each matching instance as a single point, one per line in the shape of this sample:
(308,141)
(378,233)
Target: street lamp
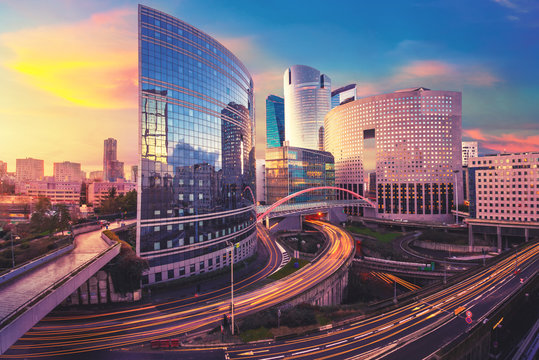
(231,284)
(12,248)
(455,172)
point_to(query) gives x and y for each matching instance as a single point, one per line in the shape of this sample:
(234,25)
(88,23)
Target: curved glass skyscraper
(196,150)
(307,99)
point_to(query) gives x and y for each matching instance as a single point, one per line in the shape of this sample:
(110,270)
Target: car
(517,271)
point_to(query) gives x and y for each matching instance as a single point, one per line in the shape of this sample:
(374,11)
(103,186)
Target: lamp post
(12,251)
(455,172)
(231,284)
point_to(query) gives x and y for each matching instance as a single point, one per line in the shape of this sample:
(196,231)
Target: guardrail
(31,264)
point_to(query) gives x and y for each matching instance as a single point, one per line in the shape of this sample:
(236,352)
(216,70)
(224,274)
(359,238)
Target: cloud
(507,3)
(513,18)
(506,142)
(90,63)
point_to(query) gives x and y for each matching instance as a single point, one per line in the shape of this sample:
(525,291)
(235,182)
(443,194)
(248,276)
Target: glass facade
(343,95)
(196,150)
(307,99)
(274,121)
(292,169)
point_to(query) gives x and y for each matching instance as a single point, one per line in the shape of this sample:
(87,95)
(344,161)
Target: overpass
(32,294)
(418,270)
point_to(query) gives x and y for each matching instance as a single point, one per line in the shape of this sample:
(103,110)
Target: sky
(68,68)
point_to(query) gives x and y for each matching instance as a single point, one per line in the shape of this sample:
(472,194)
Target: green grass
(288,269)
(256,334)
(383,237)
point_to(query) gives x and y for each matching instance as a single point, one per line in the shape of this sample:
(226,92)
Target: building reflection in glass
(197,150)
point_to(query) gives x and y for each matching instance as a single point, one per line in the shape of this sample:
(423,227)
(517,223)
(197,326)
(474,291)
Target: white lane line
(337,343)
(386,327)
(275,357)
(305,351)
(477,298)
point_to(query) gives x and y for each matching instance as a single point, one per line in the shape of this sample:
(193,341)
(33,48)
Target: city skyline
(82,79)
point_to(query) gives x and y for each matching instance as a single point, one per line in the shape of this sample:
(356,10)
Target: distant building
(67,172)
(469,150)
(343,95)
(292,169)
(504,187)
(3,169)
(307,99)
(29,169)
(16,207)
(401,149)
(112,168)
(96,176)
(99,191)
(274,121)
(134,173)
(58,192)
(261,181)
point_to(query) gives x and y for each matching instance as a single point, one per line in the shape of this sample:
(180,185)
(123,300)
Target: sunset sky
(68,68)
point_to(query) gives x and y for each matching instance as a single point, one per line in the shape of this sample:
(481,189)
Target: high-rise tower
(274,121)
(307,99)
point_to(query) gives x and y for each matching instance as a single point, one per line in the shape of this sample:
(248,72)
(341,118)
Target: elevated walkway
(30,296)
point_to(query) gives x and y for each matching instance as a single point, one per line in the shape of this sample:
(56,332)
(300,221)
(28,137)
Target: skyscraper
(112,168)
(274,121)
(307,99)
(196,151)
(343,95)
(401,149)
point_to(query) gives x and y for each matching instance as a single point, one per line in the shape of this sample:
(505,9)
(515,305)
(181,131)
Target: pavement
(17,292)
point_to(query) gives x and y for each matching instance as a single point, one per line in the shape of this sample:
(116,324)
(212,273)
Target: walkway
(20,295)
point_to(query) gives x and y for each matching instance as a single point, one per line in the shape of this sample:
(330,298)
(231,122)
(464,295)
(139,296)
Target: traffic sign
(469,320)
(468,314)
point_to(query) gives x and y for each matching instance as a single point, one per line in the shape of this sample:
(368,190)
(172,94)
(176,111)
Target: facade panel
(197,150)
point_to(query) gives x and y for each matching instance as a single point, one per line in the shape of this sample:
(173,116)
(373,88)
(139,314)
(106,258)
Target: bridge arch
(251,192)
(291,196)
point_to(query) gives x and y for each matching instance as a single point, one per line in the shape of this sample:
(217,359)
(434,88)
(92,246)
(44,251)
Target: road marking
(337,343)
(417,308)
(477,298)
(253,352)
(433,315)
(423,312)
(386,327)
(462,292)
(305,351)
(275,357)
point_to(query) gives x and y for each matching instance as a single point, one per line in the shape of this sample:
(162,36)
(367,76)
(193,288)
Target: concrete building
(98,191)
(291,169)
(67,172)
(16,208)
(134,173)
(67,193)
(274,121)
(401,149)
(307,99)
(343,95)
(469,150)
(96,176)
(29,169)
(112,168)
(3,169)
(197,151)
(261,181)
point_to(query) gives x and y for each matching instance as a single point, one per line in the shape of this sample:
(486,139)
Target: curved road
(71,335)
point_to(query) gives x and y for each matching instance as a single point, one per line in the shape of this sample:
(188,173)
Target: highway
(412,331)
(140,324)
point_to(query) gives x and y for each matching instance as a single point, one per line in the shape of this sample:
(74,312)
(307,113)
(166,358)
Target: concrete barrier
(451,247)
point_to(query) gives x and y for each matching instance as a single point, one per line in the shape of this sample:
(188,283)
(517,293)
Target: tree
(64,217)
(43,218)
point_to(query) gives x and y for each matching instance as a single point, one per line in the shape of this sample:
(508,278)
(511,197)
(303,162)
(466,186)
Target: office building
(469,150)
(96,176)
(307,99)
(61,192)
(261,181)
(292,169)
(274,121)
(67,172)
(401,149)
(197,151)
(99,191)
(3,169)
(29,169)
(343,95)
(112,168)
(134,173)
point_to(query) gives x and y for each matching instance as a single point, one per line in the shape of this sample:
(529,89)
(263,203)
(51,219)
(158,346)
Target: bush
(256,334)
(300,315)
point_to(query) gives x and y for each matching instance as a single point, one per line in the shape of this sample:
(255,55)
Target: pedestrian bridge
(308,208)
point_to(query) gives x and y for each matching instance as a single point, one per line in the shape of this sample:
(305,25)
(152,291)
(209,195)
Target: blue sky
(487,49)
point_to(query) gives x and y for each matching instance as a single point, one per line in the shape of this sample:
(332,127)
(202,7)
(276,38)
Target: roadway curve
(411,331)
(71,335)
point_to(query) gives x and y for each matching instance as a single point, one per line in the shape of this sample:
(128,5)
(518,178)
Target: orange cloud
(504,142)
(91,63)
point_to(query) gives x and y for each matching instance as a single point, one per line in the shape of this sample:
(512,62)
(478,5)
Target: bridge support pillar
(526,234)
(499,237)
(470,238)
(267,222)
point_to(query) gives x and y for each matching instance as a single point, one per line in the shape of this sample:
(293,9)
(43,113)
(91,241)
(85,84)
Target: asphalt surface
(405,330)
